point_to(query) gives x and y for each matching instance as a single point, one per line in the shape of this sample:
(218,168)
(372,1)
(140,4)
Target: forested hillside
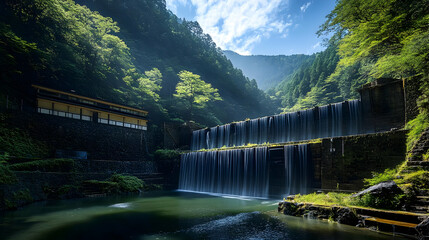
(371,39)
(268,71)
(124,51)
(309,86)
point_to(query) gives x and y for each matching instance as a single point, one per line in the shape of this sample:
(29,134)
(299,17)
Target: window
(86,118)
(87,101)
(102,120)
(44,111)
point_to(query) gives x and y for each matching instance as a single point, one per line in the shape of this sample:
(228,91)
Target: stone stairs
(420,205)
(395,222)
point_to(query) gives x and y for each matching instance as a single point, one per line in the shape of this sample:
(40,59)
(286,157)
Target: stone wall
(346,161)
(412,93)
(100,141)
(110,167)
(383,105)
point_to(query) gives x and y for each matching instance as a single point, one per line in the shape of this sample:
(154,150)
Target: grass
(409,182)
(331,198)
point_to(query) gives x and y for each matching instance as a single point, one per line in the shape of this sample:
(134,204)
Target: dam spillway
(245,172)
(340,119)
(352,139)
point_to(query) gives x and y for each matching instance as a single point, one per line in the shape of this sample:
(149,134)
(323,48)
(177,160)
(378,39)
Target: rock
(346,216)
(383,189)
(423,229)
(311,214)
(290,197)
(288,208)
(360,224)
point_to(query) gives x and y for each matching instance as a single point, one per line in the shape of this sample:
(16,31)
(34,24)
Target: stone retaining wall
(100,141)
(346,161)
(110,167)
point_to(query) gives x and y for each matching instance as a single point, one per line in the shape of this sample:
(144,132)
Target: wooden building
(69,105)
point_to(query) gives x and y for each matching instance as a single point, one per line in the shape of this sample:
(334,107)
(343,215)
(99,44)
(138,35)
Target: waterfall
(339,119)
(233,172)
(298,169)
(240,133)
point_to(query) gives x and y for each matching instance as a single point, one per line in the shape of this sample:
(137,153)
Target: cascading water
(233,172)
(340,119)
(298,169)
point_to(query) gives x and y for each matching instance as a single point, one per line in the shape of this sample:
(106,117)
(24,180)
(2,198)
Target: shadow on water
(171,215)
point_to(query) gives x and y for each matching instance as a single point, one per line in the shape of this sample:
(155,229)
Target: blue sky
(258,27)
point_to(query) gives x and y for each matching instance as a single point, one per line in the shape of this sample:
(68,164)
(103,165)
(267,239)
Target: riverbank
(409,224)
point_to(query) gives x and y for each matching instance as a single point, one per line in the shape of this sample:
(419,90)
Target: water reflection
(168,215)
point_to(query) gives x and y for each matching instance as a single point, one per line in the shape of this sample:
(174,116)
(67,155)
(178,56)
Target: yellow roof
(89,99)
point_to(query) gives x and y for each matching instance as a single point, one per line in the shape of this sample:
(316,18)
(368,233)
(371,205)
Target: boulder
(288,208)
(346,216)
(383,189)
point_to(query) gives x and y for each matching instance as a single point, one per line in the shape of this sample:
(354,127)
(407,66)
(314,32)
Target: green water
(168,215)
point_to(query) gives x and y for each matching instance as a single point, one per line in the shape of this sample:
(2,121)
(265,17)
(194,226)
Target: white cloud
(172,4)
(305,6)
(316,45)
(240,24)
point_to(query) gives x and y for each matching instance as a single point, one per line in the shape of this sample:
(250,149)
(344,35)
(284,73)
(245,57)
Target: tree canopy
(195,91)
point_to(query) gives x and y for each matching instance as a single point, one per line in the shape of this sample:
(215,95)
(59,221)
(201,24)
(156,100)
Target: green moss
(266,144)
(46,165)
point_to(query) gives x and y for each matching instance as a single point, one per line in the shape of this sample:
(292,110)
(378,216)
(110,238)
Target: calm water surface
(168,215)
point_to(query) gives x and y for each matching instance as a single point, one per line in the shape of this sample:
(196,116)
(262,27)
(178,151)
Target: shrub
(167,154)
(368,200)
(6,175)
(18,142)
(102,186)
(416,127)
(127,183)
(46,165)
(387,175)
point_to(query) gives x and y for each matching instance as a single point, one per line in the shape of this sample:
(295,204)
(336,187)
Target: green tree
(194,91)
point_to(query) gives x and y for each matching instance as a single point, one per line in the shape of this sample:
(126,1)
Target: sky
(259,27)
